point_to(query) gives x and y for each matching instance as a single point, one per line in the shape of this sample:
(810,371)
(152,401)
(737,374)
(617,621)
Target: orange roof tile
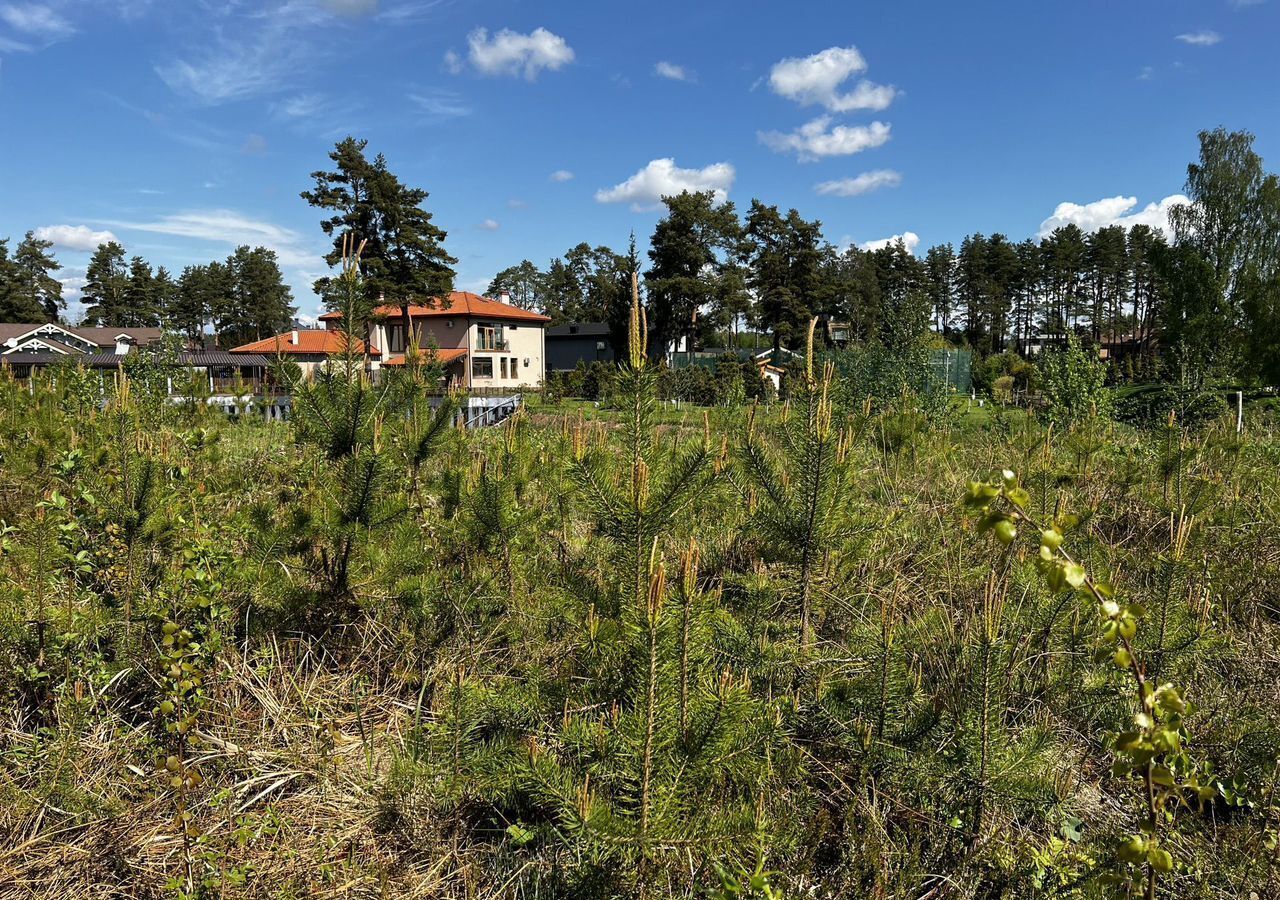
(310,341)
(461,303)
(445,356)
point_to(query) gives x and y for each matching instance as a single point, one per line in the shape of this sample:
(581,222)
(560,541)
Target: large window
(482,367)
(489,337)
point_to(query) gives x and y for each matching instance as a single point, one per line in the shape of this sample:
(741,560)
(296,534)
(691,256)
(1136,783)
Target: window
(482,367)
(502,364)
(395,338)
(489,337)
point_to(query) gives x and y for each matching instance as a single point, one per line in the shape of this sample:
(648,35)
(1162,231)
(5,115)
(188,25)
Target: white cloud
(662,178)
(817,139)
(37,20)
(1203,38)
(861,184)
(672,71)
(511,53)
(74,237)
(489,225)
(225,226)
(819,78)
(908,239)
(1089,217)
(562,175)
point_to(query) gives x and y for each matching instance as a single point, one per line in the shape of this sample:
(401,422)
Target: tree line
(1202,299)
(239,299)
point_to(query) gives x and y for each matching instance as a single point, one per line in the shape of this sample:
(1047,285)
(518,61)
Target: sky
(183,129)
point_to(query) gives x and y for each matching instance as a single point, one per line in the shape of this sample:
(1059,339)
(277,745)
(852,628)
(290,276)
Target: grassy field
(634,650)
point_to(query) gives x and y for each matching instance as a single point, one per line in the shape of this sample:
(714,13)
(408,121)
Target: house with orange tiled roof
(309,348)
(485,344)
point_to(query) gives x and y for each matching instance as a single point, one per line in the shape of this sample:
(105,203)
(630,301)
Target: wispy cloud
(37,20)
(1204,38)
(562,175)
(230,228)
(860,184)
(489,225)
(438,105)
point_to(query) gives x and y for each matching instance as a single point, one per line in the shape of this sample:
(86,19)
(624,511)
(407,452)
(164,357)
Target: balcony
(488,344)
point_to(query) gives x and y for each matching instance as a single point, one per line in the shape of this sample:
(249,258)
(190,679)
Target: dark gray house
(575,342)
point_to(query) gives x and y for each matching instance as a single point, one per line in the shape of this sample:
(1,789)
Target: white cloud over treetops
(860,184)
(820,77)
(908,239)
(663,178)
(818,139)
(1089,217)
(74,237)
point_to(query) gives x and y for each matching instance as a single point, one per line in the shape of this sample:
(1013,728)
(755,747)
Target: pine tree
(784,267)
(797,489)
(260,301)
(106,287)
(37,288)
(141,306)
(404,259)
(16,304)
(690,255)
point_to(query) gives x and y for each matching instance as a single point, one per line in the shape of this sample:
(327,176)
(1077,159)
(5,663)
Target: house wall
(525,343)
(564,351)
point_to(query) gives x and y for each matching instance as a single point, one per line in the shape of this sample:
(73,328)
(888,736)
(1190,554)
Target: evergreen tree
(940,284)
(404,260)
(166,295)
(261,303)
(141,306)
(16,304)
(904,299)
(203,295)
(784,270)
(106,286)
(36,286)
(687,282)
(524,282)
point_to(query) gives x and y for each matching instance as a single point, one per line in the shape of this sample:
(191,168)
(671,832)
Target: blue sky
(185,128)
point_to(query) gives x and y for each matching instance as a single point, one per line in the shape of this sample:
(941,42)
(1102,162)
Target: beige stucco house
(485,345)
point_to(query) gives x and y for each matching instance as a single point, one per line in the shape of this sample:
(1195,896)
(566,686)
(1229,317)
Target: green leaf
(1074,574)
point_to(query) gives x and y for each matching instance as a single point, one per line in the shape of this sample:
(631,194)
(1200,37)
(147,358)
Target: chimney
(293,337)
(505,297)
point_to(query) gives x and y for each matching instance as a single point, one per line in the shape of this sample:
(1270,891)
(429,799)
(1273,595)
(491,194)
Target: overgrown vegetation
(727,652)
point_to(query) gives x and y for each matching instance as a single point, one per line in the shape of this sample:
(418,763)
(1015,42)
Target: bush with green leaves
(1073,382)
